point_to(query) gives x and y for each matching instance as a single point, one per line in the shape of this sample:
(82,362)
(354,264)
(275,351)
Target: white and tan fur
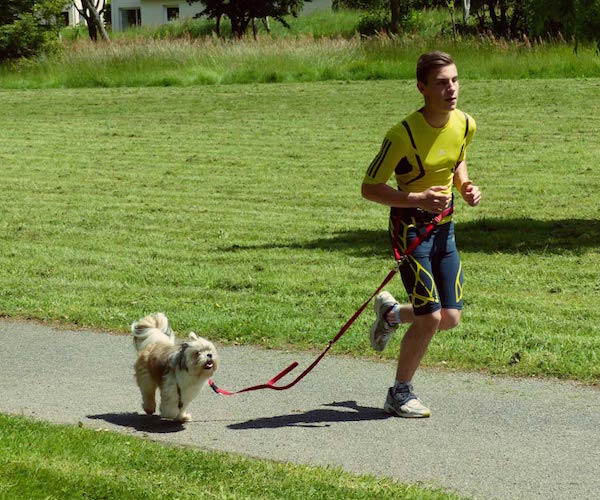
(178,371)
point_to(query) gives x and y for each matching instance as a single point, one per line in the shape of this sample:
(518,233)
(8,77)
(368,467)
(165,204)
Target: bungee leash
(400,258)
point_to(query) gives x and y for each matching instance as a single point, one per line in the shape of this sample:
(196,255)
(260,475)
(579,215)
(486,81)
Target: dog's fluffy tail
(152,329)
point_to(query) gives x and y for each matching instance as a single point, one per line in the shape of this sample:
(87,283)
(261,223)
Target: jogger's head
(437,80)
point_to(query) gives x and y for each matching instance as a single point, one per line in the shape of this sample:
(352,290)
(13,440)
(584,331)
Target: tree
(28,27)
(399,10)
(91,11)
(242,12)
(570,18)
(466,10)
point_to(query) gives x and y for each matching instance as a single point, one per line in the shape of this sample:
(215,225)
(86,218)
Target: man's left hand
(470,193)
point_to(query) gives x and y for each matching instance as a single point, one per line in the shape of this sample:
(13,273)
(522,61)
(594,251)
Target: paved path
(488,437)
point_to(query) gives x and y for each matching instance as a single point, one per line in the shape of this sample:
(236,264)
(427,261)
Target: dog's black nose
(209,355)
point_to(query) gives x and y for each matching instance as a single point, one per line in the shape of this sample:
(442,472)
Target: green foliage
(28,28)
(360,4)
(374,21)
(241,12)
(570,18)
(21,38)
(540,18)
(381,20)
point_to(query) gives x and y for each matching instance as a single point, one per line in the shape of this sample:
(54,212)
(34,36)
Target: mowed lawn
(236,210)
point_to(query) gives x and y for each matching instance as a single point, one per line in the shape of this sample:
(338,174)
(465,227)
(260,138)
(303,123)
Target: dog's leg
(183,416)
(169,401)
(186,397)
(148,389)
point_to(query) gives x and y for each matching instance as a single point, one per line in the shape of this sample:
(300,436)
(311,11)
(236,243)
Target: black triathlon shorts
(432,275)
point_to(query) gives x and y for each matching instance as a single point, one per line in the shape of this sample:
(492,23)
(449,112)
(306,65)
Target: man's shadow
(316,418)
(143,423)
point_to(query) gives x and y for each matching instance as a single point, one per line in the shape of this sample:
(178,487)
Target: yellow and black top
(422,156)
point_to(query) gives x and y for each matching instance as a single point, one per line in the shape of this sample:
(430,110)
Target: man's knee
(449,318)
(429,322)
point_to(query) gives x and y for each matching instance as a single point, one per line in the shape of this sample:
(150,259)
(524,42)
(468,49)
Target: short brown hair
(429,61)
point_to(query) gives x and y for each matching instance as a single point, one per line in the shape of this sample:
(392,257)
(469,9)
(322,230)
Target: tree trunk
(235,27)
(503,21)
(466,10)
(92,31)
(492,6)
(516,20)
(95,19)
(395,11)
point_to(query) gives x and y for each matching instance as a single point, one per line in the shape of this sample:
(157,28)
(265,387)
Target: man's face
(441,90)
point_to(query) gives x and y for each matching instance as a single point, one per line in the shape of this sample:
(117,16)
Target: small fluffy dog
(179,371)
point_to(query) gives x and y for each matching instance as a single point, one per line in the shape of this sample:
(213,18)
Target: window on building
(65,18)
(172,13)
(130,17)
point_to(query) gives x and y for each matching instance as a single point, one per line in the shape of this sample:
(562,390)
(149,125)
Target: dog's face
(200,356)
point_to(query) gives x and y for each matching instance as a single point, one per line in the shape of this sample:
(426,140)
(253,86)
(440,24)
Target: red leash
(400,257)
(270,383)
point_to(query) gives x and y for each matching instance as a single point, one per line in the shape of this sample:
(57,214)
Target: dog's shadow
(142,423)
(316,418)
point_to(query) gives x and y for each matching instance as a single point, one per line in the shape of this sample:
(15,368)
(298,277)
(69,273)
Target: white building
(126,13)
(71,16)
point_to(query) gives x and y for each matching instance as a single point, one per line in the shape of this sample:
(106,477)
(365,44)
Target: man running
(426,152)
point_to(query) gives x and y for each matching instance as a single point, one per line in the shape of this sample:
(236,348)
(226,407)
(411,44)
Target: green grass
(322,46)
(236,211)
(148,62)
(43,461)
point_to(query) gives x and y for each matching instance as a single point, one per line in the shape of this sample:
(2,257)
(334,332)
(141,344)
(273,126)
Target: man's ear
(421,87)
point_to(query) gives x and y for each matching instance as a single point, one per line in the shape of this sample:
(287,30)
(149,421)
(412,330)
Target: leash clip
(400,261)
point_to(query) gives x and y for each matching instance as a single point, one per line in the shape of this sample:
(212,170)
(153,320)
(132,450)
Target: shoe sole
(377,307)
(390,410)
(372,339)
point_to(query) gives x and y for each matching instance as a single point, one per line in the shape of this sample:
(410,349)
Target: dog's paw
(184,417)
(150,409)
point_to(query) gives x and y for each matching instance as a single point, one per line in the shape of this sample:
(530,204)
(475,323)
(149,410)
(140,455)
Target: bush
(23,38)
(28,27)
(377,21)
(373,22)
(360,4)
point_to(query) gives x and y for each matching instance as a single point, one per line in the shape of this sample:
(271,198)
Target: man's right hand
(434,200)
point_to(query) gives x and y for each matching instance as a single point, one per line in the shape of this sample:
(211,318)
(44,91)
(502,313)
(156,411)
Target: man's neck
(434,118)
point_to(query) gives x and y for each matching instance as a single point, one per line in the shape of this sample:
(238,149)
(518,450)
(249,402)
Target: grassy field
(52,462)
(323,46)
(236,211)
(147,62)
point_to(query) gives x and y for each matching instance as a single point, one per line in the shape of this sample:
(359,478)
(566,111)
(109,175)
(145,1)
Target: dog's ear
(193,336)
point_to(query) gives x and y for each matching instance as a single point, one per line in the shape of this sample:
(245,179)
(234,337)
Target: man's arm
(469,191)
(432,200)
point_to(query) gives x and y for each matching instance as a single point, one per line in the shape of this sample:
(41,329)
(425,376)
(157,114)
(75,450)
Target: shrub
(23,38)
(374,21)
(360,4)
(28,27)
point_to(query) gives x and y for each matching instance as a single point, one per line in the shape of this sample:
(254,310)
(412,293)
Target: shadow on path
(143,423)
(489,235)
(316,418)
